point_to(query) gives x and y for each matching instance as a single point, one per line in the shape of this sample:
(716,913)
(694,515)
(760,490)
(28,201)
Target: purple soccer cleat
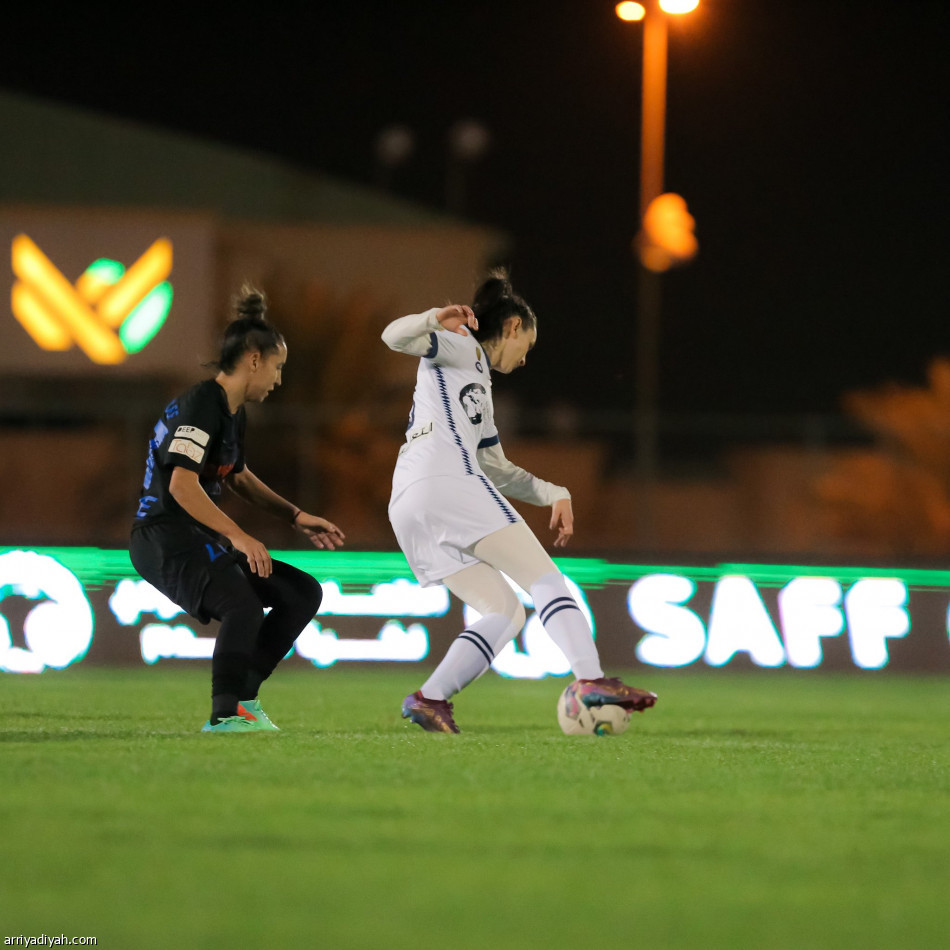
(434,715)
(611,691)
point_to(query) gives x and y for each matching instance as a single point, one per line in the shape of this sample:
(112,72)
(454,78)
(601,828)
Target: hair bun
(251,303)
(495,288)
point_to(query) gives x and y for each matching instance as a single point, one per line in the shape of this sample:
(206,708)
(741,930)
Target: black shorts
(181,560)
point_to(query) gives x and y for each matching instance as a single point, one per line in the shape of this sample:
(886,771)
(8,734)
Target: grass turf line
(776,810)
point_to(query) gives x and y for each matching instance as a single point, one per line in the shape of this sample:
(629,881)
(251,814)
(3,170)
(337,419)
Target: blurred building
(86,199)
(124,245)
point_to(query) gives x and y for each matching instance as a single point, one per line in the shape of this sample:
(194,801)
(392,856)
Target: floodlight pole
(652,136)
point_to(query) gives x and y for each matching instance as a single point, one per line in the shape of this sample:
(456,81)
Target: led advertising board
(63,606)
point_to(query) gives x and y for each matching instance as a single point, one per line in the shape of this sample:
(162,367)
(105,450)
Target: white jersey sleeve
(413,334)
(515,482)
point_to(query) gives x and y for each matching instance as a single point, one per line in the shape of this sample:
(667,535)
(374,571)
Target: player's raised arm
(412,334)
(456,318)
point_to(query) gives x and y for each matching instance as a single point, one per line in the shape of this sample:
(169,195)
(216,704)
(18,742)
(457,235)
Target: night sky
(809,140)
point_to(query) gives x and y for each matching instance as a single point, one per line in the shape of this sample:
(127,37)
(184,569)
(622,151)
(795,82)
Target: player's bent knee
(311,594)
(518,617)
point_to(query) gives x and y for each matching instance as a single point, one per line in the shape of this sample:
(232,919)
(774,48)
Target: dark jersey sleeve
(196,432)
(192,426)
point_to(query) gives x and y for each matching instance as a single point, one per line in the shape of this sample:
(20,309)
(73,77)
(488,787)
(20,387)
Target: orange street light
(678,6)
(665,238)
(630,11)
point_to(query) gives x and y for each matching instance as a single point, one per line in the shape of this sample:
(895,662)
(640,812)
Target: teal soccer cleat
(231,724)
(250,709)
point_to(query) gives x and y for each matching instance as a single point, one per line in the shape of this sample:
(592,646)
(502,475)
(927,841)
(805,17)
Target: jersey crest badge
(472,397)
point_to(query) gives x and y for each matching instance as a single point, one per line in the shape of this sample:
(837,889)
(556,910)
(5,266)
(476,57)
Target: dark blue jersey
(197,431)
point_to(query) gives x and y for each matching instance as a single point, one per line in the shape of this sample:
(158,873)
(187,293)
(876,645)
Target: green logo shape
(140,326)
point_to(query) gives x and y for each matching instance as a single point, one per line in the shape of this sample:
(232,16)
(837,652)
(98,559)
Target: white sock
(566,625)
(470,655)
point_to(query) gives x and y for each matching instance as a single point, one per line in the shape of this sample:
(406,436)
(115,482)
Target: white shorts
(438,520)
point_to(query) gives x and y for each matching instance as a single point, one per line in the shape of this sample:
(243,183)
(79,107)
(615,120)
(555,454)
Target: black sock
(223,705)
(253,684)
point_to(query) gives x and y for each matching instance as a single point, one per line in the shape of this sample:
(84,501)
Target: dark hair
(495,301)
(249,332)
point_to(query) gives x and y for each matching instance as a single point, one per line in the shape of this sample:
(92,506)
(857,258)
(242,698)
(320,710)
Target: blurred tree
(895,498)
(336,451)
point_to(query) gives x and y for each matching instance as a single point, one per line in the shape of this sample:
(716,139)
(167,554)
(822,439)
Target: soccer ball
(576,719)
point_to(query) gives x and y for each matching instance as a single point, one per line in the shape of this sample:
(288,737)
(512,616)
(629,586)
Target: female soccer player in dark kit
(447,509)
(186,546)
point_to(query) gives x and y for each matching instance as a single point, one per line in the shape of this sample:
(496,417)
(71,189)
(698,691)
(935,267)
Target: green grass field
(781,810)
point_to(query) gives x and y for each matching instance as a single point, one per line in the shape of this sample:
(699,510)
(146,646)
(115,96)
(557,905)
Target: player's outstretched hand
(562,520)
(456,318)
(322,533)
(258,558)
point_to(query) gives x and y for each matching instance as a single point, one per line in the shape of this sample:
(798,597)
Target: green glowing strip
(594,572)
(772,575)
(100,567)
(360,570)
(95,567)
(146,319)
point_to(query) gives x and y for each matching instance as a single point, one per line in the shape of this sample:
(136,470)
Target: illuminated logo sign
(58,629)
(109,313)
(725,615)
(873,611)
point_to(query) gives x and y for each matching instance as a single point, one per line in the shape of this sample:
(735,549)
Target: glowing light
(45,329)
(630,11)
(876,609)
(62,303)
(660,601)
(394,643)
(98,277)
(128,292)
(157,640)
(678,6)
(739,623)
(810,608)
(57,314)
(667,238)
(146,319)
(397,598)
(132,598)
(675,634)
(58,631)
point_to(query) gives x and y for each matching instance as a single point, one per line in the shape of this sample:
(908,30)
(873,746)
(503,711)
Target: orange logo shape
(58,314)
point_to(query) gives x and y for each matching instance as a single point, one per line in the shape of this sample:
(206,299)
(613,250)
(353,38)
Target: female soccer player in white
(447,509)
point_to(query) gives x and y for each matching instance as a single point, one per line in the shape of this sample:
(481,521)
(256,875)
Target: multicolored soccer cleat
(434,715)
(250,709)
(231,724)
(611,691)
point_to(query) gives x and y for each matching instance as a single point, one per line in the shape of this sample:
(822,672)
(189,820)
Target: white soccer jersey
(452,415)
(452,427)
